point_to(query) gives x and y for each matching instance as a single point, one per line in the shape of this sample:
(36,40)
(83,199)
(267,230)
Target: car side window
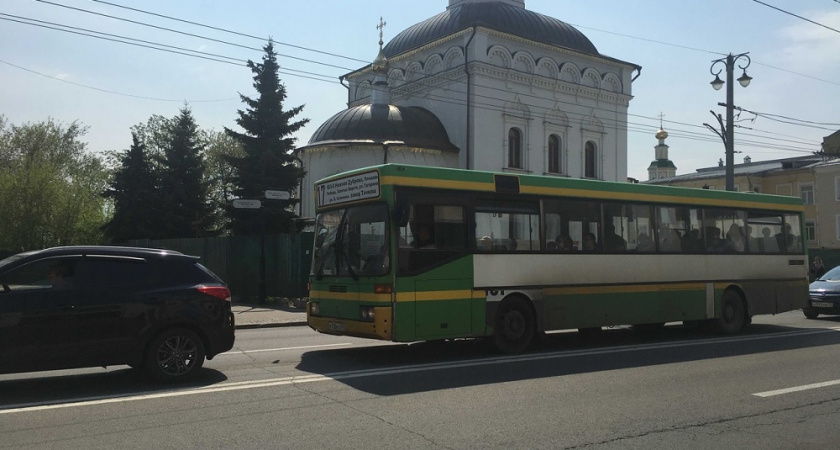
(49,273)
(113,272)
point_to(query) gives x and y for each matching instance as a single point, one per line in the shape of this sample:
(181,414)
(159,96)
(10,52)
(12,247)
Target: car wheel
(733,314)
(515,326)
(810,313)
(176,354)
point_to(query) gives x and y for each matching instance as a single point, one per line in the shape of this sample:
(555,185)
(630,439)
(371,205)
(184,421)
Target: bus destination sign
(349,189)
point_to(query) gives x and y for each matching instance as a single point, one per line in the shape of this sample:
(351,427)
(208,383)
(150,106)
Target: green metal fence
(236,259)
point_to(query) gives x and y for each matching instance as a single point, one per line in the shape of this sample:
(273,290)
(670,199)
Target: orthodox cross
(381,27)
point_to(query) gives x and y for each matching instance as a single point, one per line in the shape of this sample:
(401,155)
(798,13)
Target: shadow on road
(428,366)
(50,388)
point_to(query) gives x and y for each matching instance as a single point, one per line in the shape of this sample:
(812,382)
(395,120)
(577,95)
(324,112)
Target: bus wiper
(319,274)
(345,253)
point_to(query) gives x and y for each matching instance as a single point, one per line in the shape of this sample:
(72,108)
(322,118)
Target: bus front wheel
(515,326)
(733,314)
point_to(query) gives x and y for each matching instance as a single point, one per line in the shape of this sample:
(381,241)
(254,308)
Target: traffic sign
(277,195)
(242,203)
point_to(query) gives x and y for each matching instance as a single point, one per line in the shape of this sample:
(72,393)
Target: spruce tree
(132,191)
(184,207)
(268,163)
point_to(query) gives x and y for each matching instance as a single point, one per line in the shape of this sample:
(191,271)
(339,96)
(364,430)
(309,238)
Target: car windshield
(831,275)
(352,241)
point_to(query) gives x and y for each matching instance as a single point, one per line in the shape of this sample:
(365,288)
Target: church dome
(662,164)
(411,126)
(499,16)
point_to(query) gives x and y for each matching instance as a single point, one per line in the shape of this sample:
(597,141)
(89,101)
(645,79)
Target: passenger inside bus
(425,238)
(564,243)
(589,242)
(735,239)
(612,241)
(644,243)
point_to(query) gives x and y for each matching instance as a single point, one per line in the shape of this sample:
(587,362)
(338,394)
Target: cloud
(810,45)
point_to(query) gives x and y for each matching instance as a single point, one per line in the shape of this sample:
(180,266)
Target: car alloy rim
(177,355)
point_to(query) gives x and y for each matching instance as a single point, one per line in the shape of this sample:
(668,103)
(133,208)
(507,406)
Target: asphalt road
(775,386)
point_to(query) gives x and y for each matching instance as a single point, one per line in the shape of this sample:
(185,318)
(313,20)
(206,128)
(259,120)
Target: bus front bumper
(380,328)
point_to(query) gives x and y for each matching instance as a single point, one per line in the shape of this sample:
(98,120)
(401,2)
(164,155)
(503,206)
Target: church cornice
(557,49)
(549,84)
(410,55)
(368,70)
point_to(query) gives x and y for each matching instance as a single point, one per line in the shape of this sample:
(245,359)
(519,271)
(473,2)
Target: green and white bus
(406,253)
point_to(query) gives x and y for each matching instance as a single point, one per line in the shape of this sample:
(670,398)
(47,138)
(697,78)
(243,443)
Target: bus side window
(433,235)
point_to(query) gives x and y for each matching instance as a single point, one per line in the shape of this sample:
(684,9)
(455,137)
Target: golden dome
(661,134)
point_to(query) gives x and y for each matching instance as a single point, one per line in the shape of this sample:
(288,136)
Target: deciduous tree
(49,186)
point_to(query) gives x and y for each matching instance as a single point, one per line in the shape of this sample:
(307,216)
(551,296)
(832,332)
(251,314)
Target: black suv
(69,307)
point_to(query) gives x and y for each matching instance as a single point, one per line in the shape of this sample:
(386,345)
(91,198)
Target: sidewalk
(268,315)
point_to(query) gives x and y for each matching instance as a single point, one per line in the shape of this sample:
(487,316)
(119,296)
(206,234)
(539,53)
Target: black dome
(498,16)
(404,125)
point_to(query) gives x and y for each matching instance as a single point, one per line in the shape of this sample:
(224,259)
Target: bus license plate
(822,305)
(335,326)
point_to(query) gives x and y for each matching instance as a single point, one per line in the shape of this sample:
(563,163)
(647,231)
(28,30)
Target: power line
(442,99)
(704,51)
(669,44)
(798,16)
(230,31)
(87,31)
(158,46)
(768,115)
(187,34)
(117,40)
(115,92)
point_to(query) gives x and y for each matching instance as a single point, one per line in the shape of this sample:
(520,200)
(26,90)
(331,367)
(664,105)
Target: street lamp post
(729,132)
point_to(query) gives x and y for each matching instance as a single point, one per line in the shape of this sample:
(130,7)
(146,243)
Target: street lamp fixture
(729,132)
(744,79)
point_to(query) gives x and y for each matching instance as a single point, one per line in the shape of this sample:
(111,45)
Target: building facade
(508,89)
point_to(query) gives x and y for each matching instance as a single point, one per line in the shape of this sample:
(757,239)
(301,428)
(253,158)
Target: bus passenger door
(443,304)
(434,273)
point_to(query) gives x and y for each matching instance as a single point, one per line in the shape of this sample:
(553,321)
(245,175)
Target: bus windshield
(352,242)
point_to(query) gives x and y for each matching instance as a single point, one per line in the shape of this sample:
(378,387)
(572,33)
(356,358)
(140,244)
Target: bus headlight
(314,309)
(367,313)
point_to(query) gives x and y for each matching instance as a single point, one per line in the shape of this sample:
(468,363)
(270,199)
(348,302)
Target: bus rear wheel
(515,326)
(733,314)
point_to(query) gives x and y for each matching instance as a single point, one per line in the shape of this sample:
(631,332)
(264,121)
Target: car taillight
(219,292)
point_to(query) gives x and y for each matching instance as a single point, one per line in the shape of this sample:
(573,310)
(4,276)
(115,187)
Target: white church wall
(505,69)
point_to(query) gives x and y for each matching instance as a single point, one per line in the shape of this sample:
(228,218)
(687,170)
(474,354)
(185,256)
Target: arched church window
(554,154)
(515,148)
(590,163)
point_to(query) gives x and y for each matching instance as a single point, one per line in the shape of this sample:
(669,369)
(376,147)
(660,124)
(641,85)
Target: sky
(107,86)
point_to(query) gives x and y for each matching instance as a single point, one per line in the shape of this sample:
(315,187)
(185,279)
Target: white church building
(484,85)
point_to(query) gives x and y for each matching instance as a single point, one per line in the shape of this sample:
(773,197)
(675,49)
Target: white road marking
(797,388)
(305,347)
(338,376)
